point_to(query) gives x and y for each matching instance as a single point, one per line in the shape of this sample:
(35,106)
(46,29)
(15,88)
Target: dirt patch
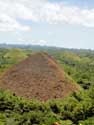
(39,77)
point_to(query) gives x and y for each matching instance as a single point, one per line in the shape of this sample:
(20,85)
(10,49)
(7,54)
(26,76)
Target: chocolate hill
(38,76)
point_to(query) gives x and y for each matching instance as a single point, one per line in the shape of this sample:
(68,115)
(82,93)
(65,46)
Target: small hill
(9,57)
(15,55)
(38,76)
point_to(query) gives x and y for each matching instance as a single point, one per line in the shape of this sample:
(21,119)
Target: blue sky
(81,3)
(62,23)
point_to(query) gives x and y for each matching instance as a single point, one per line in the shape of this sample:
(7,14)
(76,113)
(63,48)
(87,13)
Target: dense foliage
(78,109)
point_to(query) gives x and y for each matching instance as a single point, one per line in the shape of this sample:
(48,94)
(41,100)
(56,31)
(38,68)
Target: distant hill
(15,55)
(40,77)
(11,56)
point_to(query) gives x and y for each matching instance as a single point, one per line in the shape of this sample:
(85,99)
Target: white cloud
(10,10)
(9,24)
(39,42)
(41,10)
(33,42)
(60,13)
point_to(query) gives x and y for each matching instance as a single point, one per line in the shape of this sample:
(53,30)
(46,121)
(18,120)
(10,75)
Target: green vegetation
(79,65)
(78,109)
(9,57)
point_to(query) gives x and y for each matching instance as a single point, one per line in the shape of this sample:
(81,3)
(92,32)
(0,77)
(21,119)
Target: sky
(61,23)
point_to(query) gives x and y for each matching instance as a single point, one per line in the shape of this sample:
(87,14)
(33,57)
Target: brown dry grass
(39,77)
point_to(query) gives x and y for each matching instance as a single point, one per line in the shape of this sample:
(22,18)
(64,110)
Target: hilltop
(40,77)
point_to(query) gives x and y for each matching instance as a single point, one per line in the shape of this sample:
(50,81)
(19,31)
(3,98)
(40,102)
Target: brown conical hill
(38,76)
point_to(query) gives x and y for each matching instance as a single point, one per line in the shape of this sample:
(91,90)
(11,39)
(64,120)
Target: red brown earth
(38,76)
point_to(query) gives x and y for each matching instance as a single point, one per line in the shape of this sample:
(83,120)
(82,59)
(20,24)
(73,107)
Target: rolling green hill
(80,66)
(9,57)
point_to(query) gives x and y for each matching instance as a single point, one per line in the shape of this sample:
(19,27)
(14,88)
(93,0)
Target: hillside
(79,65)
(38,76)
(9,57)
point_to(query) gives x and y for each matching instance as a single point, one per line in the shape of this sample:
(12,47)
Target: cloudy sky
(63,23)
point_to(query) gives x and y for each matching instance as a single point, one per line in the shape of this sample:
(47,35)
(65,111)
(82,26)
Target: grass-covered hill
(79,65)
(9,57)
(39,76)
